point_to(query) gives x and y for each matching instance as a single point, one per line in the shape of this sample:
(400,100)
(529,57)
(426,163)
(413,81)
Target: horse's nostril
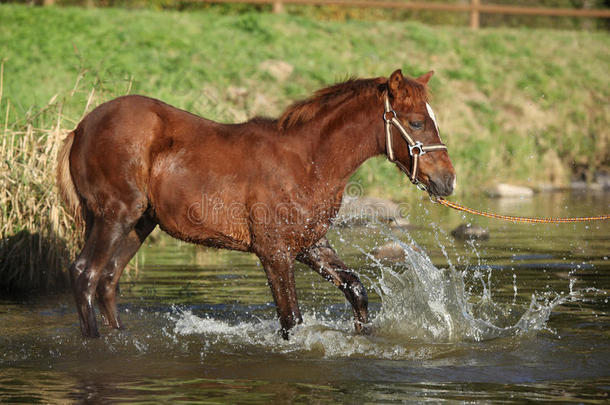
(444,186)
(451,183)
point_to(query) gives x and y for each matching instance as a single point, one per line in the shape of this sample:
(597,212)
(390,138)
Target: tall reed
(37,236)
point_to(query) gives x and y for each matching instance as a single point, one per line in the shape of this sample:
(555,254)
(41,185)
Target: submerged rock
(391,251)
(510,191)
(357,211)
(470,232)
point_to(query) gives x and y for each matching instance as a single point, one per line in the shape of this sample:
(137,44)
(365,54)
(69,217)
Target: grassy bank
(526,106)
(523,106)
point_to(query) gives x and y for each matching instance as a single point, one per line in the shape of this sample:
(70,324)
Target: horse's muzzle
(442,186)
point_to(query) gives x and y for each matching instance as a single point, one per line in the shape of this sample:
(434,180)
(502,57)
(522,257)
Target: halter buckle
(419,146)
(420,185)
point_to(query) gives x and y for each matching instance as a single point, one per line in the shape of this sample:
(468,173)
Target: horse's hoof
(362,329)
(91,335)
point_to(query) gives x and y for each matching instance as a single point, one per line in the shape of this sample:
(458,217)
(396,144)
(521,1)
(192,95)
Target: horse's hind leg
(322,258)
(107,287)
(103,239)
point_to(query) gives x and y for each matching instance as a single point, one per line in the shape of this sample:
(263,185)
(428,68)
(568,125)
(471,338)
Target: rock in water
(391,251)
(510,191)
(470,232)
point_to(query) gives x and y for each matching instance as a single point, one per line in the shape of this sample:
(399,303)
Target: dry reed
(37,236)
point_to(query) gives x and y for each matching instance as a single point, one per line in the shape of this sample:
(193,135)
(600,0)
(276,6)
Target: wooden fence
(475,8)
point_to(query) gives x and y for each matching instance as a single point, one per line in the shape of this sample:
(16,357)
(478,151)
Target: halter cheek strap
(416,148)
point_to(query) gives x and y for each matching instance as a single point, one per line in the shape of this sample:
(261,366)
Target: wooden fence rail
(475,8)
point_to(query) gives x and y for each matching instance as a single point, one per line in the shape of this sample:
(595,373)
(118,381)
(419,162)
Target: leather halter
(416,148)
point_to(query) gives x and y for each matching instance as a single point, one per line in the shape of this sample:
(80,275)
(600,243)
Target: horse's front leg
(322,258)
(279,269)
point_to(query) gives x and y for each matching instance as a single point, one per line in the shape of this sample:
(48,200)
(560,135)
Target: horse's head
(412,135)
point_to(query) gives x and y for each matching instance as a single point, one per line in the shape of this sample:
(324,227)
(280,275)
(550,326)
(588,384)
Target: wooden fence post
(278,6)
(474,14)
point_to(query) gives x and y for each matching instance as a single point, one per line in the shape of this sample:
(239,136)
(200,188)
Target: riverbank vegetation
(37,238)
(523,106)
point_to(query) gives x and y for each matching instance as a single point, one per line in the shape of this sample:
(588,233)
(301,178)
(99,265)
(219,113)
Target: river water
(521,316)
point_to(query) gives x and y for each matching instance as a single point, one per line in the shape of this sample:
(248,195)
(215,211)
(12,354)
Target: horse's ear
(424,79)
(395,81)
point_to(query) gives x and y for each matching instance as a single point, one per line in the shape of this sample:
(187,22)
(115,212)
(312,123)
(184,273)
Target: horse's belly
(190,206)
(234,239)
(192,223)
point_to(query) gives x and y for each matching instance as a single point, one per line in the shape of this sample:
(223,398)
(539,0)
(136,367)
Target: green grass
(523,106)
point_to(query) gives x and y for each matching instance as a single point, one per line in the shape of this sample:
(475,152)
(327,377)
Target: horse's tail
(65,183)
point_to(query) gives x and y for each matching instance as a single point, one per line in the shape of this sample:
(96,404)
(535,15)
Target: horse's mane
(329,98)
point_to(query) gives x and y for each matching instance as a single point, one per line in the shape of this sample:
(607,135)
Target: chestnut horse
(270,187)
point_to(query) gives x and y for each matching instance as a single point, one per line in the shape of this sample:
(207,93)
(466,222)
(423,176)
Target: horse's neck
(344,141)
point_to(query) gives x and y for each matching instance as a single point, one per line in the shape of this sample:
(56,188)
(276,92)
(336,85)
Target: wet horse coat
(270,187)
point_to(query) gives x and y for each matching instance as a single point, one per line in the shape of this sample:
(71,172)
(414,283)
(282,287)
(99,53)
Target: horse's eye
(416,124)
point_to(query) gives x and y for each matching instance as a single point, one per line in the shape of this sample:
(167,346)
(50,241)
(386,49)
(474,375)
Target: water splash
(316,336)
(424,303)
(422,309)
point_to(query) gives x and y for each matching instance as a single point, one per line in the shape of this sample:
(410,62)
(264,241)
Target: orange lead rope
(459,207)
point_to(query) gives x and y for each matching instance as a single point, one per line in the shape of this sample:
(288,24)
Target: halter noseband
(416,148)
